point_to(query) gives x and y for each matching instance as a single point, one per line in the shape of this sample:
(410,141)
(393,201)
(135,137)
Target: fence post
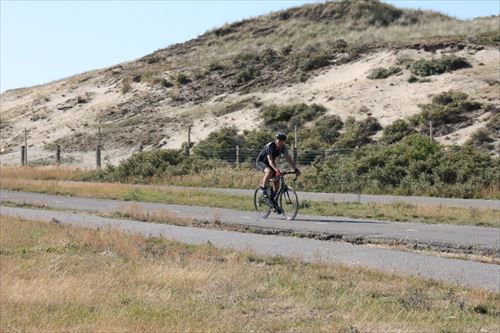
(294,150)
(58,154)
(188,147)
(237,156)
(23,148)
(98,156)
(98,149)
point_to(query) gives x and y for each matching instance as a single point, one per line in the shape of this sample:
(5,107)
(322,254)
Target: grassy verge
(60,278)
(393,212)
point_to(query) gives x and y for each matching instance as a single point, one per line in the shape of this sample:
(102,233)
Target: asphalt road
(462,272)
(446,236)
(344,197)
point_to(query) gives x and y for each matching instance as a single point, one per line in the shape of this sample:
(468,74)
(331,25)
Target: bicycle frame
(282,184)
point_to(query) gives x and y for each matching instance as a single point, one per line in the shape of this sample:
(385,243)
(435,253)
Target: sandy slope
(52,111)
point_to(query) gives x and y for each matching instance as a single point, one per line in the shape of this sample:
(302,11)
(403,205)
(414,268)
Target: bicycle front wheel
(289,202)
(261,204)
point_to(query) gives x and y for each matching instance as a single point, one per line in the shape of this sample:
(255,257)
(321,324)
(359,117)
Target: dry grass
(136,212)
(393,212)
(299,34)
(225,177)
(59,278)
(42,172)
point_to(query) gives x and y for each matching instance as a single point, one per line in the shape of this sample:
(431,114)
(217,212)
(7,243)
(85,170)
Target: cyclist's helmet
(281,136)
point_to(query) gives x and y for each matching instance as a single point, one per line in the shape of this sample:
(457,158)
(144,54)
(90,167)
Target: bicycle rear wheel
(261,204)
(289,202)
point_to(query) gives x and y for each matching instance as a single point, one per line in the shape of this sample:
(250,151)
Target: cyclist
(266,163)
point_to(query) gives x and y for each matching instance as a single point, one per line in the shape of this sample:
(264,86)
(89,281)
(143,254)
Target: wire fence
(237,156)
(245,156)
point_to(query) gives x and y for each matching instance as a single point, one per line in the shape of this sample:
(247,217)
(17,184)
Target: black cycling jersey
(273,150)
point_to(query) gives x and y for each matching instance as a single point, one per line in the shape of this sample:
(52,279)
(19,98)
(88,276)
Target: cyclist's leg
(276,184)
(268,173)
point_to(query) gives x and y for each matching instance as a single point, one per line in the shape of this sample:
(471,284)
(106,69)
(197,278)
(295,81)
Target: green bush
(156,163)
(220,145)
(357,133)
(414,166)
(383,73)
(286,117)
(328,128)
(436,66)
(395,131)
(315,61)
(269,56)
(446,109)
(481,139)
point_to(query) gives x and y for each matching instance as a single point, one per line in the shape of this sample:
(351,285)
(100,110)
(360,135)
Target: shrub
(395,131)
(446,110)
(424,67)
(253,143)
(413,166)
(220,145)
(144,165)
(246,59)
(286,117)
(215,66)
(357,133)
(383,73)
(481,139)
(329,128)
(246,74)
(286,50)
(182,78)
(315,61)
(269,56)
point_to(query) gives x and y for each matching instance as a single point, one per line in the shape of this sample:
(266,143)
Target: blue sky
(41,41)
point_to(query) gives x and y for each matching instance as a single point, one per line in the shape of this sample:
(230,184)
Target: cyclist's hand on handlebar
(277,173)
(297,172)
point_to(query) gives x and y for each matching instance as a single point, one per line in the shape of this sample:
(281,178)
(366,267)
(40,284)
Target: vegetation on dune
(342,161)
(413,166)
(282,48)
(448,112)
(383,73)
(286,117)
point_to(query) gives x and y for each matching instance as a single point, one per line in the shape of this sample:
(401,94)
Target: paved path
(479,239)
(466,273)
(340,197)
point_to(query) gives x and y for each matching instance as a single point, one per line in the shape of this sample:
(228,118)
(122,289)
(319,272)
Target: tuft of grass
(383,73)
(126,85)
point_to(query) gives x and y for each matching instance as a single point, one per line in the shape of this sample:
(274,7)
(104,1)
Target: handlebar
(289,173)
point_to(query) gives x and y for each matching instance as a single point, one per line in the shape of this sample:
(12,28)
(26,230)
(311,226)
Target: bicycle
(286,199)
